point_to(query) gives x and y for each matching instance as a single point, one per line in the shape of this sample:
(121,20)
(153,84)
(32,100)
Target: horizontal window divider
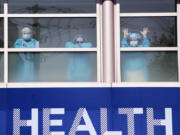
(2,85)
(57,84)
(52,15)
(1,50)
(146,84)
(147,14)
(149,49)
(52,49)
(1,15)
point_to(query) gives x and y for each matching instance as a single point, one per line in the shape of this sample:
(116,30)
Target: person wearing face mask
(134,39)
(134,64)
(79,41)
(26,69)
(26,41)
(78,69)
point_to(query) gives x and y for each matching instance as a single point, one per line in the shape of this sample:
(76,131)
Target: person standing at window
(26,71)
(134,64)
(79,69)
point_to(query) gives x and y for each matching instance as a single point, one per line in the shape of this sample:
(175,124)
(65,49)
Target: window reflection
(53,67)
(1,33)
(1,6)
(129,6)
(160,31)
(1,67)
(149,66)
(52,6)
(53,32)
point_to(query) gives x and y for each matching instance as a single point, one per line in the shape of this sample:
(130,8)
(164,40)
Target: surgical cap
(134,35)
(79,36)
(26,29)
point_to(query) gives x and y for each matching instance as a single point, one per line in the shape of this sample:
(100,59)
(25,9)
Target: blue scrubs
(134,64)
(79,69)
(26,69)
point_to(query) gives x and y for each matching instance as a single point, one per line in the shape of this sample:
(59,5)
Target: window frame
(6,50)
(118,49)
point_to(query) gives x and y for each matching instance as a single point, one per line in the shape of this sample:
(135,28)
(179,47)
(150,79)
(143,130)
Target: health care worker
(134,64)
(79,69)
(26,69)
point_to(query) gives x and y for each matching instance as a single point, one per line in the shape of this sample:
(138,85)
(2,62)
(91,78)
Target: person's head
(26,33)
(79,39)
(134,39)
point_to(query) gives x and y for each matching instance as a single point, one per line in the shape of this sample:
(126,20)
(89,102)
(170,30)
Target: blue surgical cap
(134,35)
(79,36)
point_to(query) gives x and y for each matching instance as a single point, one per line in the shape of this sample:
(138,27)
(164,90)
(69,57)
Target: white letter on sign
(47,122)
(113,133)
(82,113)
(104,124)
(17,123)
(167,122)
(130,112)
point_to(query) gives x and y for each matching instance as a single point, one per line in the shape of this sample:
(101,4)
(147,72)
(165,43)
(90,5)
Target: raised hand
(126,33)
(144,32)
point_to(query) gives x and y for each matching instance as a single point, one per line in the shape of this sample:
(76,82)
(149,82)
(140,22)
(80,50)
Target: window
(53,32)
(63,42)
(146,41)
(162,30)
(144,6)
(53,67)
(52,6)
(1,67)
(1,6)
(1,34)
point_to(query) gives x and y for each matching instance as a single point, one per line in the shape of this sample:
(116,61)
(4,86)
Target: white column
(108,41)
(5,43)
(178,38)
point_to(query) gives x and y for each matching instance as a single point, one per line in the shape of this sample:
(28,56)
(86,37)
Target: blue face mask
(133,43)
(26,36)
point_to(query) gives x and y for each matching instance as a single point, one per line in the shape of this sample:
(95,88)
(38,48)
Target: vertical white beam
(178,38)
(101,38)
(108,41)
(98,31)
(117,41)
(5,43)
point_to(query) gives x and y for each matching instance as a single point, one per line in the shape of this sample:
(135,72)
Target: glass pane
(52,6)
(1,33)
(148,32)
(149,66)
(1,67)
(129,6)
(53,67)
(52,32)
(1,6)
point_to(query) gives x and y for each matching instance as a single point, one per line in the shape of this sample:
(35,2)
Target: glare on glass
(133,6)
(52,6)
(149,67)
(53,32)
(148,32)
(52,67)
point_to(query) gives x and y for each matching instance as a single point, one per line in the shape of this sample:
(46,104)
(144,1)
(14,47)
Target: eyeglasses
(79,42)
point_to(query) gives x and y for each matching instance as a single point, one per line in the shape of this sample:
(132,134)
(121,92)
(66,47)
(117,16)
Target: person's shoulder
(19,40)
(69,44)
(88,44)
(34,40)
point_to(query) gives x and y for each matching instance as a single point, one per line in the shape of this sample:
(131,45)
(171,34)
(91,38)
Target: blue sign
(90,111)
